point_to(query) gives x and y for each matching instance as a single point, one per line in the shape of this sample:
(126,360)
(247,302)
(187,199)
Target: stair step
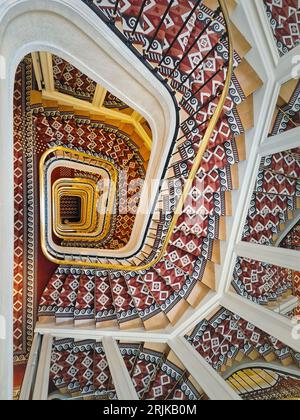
(127,314)
(155,319)
(240,43)
(84,314)
(247,78)
(127,299)
(172,371)
(198,293)
(35,97)
(230,330)
(105,313)
(246,113)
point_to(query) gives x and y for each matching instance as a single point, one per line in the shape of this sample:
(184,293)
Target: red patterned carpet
(29,262)
(226,337)
(284,16)
(36,129)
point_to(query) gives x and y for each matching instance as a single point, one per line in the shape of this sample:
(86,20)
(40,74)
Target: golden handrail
(196,165)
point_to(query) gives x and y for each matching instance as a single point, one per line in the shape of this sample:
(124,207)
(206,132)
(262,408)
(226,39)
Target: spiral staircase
(163,288)
(130,305)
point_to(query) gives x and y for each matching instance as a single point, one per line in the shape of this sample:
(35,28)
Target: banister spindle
(139,17)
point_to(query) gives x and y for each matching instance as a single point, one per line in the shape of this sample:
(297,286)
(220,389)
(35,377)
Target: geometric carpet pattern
(262,283)
(284,17)
(71,81)
(275,200)
(288,116)
(80,369)
(112,102)
(226,338)
(275,197)
(195,64)
(157,374)
(25,235)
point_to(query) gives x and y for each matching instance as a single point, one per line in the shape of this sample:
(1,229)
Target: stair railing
(110,20)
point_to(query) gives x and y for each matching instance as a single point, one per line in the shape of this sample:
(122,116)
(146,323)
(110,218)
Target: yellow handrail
(196,165)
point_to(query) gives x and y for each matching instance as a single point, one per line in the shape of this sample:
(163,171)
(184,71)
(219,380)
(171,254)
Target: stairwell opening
(103,150)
